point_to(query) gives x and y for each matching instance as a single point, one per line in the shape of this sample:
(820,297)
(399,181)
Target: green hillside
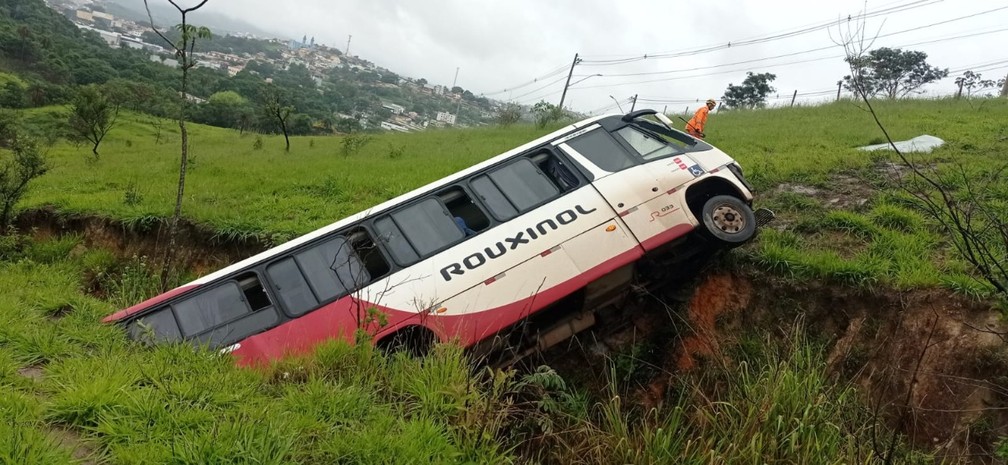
(854,227)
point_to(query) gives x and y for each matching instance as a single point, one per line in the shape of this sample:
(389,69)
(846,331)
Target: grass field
(73,389)
(839,219)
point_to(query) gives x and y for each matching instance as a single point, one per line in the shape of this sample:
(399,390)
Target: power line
(773,65)
(549,74)
(982,66)
(561,78)
(759,40)
(756,60)
(883,11)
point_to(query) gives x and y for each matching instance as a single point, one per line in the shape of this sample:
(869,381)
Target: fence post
(793,96)
(839,85)
(1004,88)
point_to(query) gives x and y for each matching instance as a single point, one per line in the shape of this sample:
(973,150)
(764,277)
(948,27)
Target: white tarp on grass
(924,143)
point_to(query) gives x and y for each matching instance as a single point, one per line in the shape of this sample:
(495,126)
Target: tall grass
(771,402)
(123,403)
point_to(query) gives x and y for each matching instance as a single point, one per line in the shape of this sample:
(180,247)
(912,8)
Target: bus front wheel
(728,219)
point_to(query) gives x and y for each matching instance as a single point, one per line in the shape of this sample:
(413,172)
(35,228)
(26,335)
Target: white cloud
(497,45)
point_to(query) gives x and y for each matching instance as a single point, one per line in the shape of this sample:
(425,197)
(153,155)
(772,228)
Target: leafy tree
(24,163)
(891,73)
(276,106)
(509,114)
(13,95)
(752,93)
(301,124)
(970,81)
(224,109)
(347,125)
(546,113)
(92,116)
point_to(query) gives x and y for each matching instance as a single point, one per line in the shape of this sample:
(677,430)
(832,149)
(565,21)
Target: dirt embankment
(197,249)
(931,364)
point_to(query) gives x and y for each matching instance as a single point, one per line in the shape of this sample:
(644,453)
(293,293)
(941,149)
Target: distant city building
(395,109)
(439,89)
(304,43)
(164,61)
(394,127)
(445,117)
(85,16)
(110,38)
(137,43)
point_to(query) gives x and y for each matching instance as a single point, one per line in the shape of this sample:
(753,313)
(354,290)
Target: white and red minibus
(546,233)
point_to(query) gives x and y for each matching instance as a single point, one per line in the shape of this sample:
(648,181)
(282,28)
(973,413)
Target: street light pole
(569,74)
(583,79)
(617,103)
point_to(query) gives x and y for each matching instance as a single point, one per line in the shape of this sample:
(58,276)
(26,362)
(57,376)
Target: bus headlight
(737,171)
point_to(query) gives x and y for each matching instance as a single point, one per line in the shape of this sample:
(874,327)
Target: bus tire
(728,219)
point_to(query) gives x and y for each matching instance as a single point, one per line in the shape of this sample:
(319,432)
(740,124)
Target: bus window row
(320,272)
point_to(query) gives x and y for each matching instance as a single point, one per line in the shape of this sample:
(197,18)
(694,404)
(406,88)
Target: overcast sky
(499,45)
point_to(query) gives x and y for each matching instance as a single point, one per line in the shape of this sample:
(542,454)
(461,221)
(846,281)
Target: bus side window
(398,246)
(367,251)
(467,215)
(428,226)
(557,172)
(156,327)
(211,308)
(603,151)
(291,287)
(493,198)
(332,268)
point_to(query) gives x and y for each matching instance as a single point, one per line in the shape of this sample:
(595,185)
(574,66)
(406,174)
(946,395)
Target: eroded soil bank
(931,364)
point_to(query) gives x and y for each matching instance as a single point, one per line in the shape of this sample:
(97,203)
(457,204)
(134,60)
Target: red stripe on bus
(337,320)
(667,236)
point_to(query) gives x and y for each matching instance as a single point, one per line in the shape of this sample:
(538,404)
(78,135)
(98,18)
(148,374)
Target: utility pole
(569,74)
(347,51)
(459,107)
(634,103)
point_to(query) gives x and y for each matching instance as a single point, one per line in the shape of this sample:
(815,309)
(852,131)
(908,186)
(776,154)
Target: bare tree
(275,105)
(184,53)
(969,215)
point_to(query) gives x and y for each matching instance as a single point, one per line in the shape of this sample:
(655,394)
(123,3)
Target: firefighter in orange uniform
(695,125)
